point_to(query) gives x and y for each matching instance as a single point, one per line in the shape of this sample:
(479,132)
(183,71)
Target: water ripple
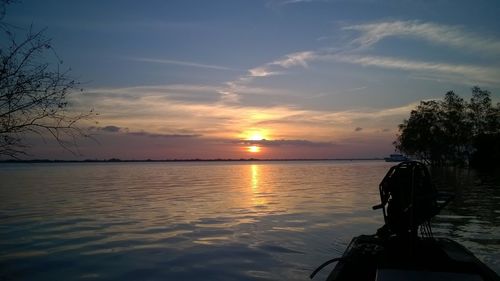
(202,221)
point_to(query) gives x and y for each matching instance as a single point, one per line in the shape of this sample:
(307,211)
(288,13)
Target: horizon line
(117,160)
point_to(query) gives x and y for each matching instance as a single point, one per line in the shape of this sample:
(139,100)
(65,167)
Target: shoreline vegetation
(116,160)
(453,132)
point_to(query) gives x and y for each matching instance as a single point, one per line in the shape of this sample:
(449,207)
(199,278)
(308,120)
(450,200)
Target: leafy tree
(453,131)
(485,127)
(483,115)
(422,135)
(33,91)
(455,126)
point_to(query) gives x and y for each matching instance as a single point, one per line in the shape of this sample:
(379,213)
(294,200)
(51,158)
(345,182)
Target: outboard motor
(408,200)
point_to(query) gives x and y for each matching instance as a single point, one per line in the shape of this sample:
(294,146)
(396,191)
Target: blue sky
(317,79)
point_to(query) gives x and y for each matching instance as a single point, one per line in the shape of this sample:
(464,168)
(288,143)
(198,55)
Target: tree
(485,126)
(455,126)
(483,115)
(453,131)
(33,92)
(422,135)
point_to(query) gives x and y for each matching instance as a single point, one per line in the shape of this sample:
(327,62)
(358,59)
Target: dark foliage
(453,131)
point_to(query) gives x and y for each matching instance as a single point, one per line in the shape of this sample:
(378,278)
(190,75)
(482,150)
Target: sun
(256,136)
(253,149)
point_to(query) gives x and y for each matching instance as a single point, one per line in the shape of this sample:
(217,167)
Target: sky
(263,79)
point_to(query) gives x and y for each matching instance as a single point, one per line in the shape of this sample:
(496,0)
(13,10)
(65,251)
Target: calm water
(209,221)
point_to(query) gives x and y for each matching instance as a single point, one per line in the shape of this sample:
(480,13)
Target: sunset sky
(212,79)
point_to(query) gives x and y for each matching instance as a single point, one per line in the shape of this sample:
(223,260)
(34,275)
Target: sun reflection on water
(258,190)
(132,215)
(255,177)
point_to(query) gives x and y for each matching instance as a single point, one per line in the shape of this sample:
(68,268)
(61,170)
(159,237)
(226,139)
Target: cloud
(229,96)
(155,89)
(294,59)
(183,63)
(261,72)
(123,130)
(453,36)
(349,115)
(111,129)
(295,1)
(291,2)
(372,33)
(275,67)
(215,112)
(166,128)
(114,26)
(175,92)
(153,135)
(474,72)
(273,143)
(152,112)
(231,93)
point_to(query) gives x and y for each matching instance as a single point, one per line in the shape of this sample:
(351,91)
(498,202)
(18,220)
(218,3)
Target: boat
(404,248)
(396,158)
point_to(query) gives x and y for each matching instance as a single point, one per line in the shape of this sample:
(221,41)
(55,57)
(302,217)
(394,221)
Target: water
(206,221)
(473,217)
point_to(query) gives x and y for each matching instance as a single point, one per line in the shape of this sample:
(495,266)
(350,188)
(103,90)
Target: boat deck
(414,275)
(371,258)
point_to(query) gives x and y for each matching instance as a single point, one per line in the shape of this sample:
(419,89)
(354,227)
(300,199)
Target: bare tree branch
(34,92)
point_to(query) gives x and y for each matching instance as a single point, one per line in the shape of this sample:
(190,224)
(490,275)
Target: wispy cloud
(161,115)
(294,59)
(152,135)
(261,71)
(157,89)
(472,72)
(295,1)
(231,92)
(367,35)
(290,2)
(372,33)
(111,25)
(453,36)
(284,142)
(180,93)
(163,127)
(183,63)
(112,129)
(276,67)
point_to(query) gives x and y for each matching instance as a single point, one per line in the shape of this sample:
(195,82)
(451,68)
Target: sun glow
(256,137)
(253,149)
(254,134)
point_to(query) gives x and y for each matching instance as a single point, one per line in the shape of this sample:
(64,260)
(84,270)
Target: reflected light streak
(253,149)
(258,198)
(255,177)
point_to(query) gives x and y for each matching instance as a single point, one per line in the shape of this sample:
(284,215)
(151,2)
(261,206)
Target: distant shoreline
(115,160)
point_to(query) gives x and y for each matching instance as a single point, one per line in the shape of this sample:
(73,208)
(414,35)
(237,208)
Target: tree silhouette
(421,134)
(453,131)
(33,91)
(485,126)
